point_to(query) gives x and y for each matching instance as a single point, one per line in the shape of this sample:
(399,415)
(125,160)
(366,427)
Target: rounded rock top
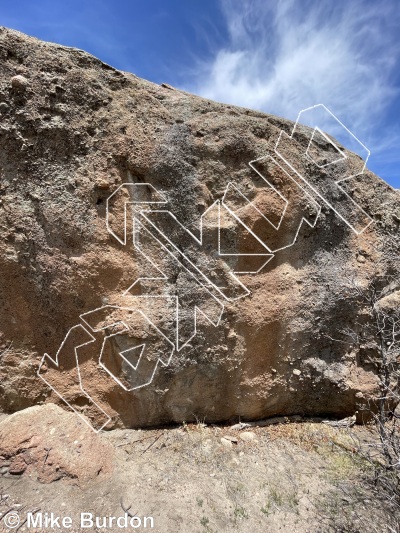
(19,82)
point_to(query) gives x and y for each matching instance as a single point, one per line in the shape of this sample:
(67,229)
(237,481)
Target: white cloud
(285,55)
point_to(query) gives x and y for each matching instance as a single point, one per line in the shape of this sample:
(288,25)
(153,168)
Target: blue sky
(279,56)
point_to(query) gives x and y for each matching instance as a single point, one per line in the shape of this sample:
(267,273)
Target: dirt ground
(299,477)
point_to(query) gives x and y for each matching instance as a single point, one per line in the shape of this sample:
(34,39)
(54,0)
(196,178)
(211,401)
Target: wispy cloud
(287,55)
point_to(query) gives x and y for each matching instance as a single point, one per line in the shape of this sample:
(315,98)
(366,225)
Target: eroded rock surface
(72,131)
(48,444)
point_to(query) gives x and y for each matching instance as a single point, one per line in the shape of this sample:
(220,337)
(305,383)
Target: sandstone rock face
(226,301)
(49,444)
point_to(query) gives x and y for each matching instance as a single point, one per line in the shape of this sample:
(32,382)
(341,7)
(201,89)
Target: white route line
(143,186)
(203,279)
(126,328)
(141,222)
(164,277)
(56,363)
(342,154)
(310,199)
(283,134)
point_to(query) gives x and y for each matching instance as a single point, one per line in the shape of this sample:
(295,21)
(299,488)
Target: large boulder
(267,341)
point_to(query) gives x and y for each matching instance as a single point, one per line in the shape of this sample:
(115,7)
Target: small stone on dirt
(240,425)
(232,439)
(248,436)
(227,443)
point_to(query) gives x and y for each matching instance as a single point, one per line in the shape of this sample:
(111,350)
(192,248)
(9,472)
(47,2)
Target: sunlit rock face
(166,278)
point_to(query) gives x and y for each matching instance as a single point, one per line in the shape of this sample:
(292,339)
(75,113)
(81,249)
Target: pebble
(103,184)
(239,426)
(248,436)
(19,82)
(296,372)
(227,443)
(232,439)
